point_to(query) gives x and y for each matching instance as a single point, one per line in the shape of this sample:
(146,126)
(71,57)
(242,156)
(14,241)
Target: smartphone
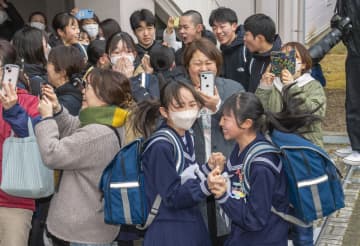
(10,74)
(207,80)
(85,14)
(176,21)
(282,60)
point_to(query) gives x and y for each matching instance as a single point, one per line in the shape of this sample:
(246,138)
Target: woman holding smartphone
(15,212)
(202,56)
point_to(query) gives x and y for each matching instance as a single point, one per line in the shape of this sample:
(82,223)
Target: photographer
(350,9)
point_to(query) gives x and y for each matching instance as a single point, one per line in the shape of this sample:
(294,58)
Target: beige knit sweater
(82,153)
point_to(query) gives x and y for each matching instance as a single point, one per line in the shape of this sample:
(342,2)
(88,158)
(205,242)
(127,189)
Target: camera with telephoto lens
(340,28)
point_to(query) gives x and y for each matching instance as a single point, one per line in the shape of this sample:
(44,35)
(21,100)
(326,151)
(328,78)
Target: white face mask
(91,29)
(3,16)
(37,25)
(184,119)
(114,59)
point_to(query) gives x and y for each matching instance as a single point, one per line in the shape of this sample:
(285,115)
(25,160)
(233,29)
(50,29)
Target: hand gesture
(45,107)
(268,77)
(74,11)
(286,77)
(170,24)
(211,101)
(48,92)
(125,66)
(217,183)
(217,159)
(145,62)
(8,96)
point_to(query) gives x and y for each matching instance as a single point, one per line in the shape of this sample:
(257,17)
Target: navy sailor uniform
(179,221)
(252,221)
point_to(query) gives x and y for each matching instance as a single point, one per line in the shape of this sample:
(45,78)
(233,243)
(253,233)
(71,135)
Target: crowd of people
(80,76)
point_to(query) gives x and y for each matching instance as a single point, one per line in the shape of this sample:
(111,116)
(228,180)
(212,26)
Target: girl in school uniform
(245,121)
(179,221)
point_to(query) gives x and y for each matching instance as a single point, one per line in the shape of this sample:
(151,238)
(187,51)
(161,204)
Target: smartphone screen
(207,80)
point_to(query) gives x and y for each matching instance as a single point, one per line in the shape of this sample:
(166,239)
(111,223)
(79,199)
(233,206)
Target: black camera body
(340,28)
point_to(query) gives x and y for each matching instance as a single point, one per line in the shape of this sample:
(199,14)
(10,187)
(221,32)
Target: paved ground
(341,228)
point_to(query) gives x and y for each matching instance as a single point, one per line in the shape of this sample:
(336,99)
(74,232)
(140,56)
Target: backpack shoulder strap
(167,135)
(252,154)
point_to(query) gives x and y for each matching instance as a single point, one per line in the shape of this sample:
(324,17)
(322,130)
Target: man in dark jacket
(224,23)
(10,20)
(352,41)
(260,38)
(143,25)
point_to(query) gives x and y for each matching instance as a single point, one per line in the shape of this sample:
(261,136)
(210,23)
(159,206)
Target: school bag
(122,182)
(314,184)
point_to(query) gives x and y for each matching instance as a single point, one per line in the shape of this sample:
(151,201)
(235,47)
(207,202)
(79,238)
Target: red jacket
(30,104)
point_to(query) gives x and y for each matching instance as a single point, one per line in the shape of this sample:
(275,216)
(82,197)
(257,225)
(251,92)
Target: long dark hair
(146,114)
(28,42)
(291,118)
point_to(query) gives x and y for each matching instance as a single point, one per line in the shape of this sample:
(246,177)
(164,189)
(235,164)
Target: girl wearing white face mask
(270,94)
(122,53)
(91,26)
(179,220)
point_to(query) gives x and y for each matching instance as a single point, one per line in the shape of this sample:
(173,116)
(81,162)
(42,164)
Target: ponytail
(145,117)
(293,114)
(291,118)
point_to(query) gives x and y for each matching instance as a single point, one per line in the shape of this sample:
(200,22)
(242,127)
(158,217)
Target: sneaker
(343,151)
(353,158)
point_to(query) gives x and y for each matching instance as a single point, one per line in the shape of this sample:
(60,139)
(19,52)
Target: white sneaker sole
(342,154)
(352,163)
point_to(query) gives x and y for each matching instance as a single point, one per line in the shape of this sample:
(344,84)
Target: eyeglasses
(85,84)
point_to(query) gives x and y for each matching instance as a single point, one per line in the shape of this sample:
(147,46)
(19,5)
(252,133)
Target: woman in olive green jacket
(269,90)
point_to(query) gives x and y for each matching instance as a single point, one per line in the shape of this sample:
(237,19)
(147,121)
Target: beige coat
(82,153)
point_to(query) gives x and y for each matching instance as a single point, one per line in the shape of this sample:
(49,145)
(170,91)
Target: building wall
(296,20)
(119,10)
(49,7)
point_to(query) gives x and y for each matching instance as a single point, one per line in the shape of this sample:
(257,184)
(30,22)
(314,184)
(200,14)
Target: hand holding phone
(10,74)
(8,96)
(207,80)
(85,14)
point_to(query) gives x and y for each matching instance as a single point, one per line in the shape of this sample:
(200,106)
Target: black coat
(37,75)
(9,27)
(70,97)
(141,51)
(259,63)
(236,56)
(150,91)
(350,8)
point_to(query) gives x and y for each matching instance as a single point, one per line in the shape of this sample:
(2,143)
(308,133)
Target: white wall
(203,6)
(317,17)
